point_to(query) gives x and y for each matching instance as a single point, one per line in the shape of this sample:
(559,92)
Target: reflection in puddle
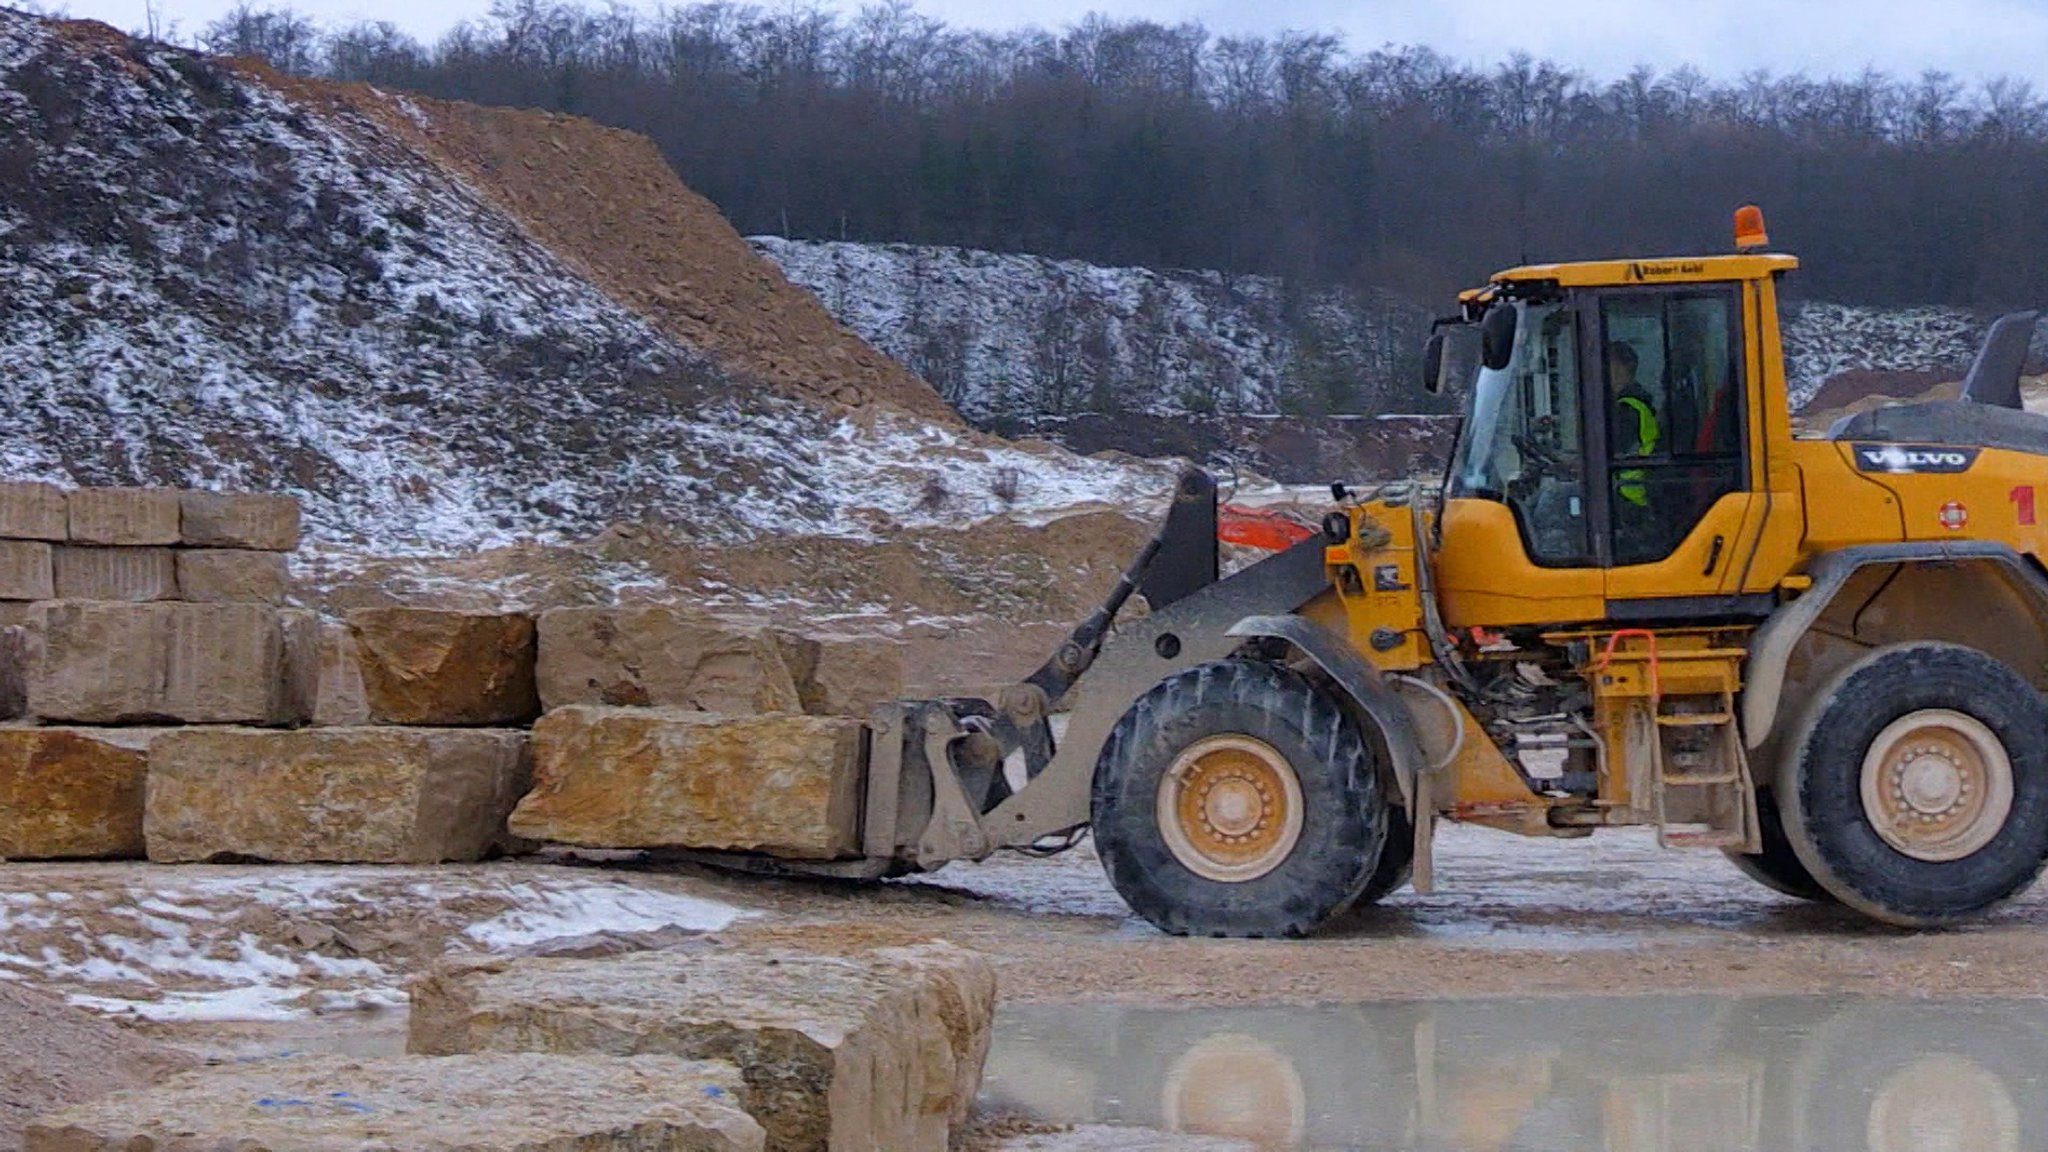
(1619,1074)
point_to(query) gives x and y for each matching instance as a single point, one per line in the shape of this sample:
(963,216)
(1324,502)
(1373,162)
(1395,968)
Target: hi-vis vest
(1633,487)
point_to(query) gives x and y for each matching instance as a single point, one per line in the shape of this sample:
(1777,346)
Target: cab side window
(1672,364)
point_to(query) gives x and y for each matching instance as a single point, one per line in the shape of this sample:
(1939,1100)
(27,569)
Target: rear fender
(1979,593)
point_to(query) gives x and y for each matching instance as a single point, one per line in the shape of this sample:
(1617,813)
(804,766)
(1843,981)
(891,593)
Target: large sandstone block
(108,663)
(847,1049)
(72,793)
(424,666)
(844,675)
(231,576)
(130,574)
(124,516)
(664,778)
(240,520)
(650,656)
(26,572)
(498,1103)
(341,795)
(31,510)
(341,702)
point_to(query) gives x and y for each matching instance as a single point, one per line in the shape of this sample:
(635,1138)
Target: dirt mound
(606,202)
(53,1055)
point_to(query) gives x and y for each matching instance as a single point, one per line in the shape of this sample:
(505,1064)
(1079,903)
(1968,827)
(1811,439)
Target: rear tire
(1238,799)
(1777,867)
(1918,792)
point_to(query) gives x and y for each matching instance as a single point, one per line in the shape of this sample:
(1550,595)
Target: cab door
(1672,448)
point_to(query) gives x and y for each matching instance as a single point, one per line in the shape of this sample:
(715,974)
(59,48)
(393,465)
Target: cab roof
(1661,270)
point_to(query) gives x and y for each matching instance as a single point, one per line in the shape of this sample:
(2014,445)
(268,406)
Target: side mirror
(1433,364)
(1497,336)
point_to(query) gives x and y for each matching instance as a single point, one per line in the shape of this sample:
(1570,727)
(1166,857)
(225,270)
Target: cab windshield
(1521,441)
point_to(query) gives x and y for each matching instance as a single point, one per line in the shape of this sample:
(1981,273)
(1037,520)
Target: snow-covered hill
(210,278)
(1009,335)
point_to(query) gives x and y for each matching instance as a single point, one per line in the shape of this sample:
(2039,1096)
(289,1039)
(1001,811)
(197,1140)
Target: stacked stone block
(667,729)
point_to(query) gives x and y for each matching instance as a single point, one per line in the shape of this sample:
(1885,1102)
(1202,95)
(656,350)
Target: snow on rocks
(278,943)
(1009,332)
(212,281)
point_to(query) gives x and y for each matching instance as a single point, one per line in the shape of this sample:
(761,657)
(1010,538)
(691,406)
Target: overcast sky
(1972,38)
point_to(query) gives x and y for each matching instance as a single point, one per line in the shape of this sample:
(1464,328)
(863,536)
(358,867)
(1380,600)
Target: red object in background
(1268,531)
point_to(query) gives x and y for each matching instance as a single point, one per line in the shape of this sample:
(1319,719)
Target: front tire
(1238,799)
(1918,794)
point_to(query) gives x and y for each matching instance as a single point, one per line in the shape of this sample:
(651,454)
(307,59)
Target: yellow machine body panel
(1484,577)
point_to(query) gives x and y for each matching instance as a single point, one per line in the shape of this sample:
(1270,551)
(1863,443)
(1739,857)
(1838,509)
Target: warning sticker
(1954,516)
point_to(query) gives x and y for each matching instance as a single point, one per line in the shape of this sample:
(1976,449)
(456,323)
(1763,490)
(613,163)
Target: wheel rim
(1943,1103)
(1937,785)
(1239,1087)
(1230,808)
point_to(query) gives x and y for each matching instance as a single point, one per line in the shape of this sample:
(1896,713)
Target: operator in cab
(1632,424)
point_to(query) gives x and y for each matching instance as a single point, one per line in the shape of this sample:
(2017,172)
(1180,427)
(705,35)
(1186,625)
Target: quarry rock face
(846,1049)
(247,520)
(231,576)
(69,794)
(111,663)
(424,666)
(659,657)
(30,510)
(495,1103)
(129,517)
(344,795)
(131,574)
(664,778)
(26,571)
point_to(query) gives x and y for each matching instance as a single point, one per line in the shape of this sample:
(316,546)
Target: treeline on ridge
(1133,142)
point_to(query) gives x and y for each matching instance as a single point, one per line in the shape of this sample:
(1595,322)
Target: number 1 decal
(2023,503)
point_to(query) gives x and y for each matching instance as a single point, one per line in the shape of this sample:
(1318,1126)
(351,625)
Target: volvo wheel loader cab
(1637,600)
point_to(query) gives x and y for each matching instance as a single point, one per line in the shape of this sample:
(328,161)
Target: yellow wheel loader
(1637,599)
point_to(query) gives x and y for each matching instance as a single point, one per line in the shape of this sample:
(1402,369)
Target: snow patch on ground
(555,913)
(234,943)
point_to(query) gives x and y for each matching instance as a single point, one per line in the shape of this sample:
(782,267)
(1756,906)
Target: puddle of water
(1616,1074)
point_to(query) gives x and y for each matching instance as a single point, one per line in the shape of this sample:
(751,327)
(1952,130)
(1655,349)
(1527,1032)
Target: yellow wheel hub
(1230,808)
(1937,785)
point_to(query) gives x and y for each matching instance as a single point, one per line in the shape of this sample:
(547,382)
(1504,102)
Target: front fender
(1366,688)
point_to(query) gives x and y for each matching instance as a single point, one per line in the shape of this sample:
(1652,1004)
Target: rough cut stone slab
(498,1103)
(30,510)
(69,794)
(341,702)
(650,656)
(340,795)
(848,1050)
(130,574)
(424,666)
(26,572)
(123,516)
(108,663)
(844,675)
(255,520)
(231,576)
(20,652)
(664,778)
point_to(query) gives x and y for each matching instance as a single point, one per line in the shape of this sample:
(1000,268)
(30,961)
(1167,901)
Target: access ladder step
(1693,719)
(1714,838)
(1701,779)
